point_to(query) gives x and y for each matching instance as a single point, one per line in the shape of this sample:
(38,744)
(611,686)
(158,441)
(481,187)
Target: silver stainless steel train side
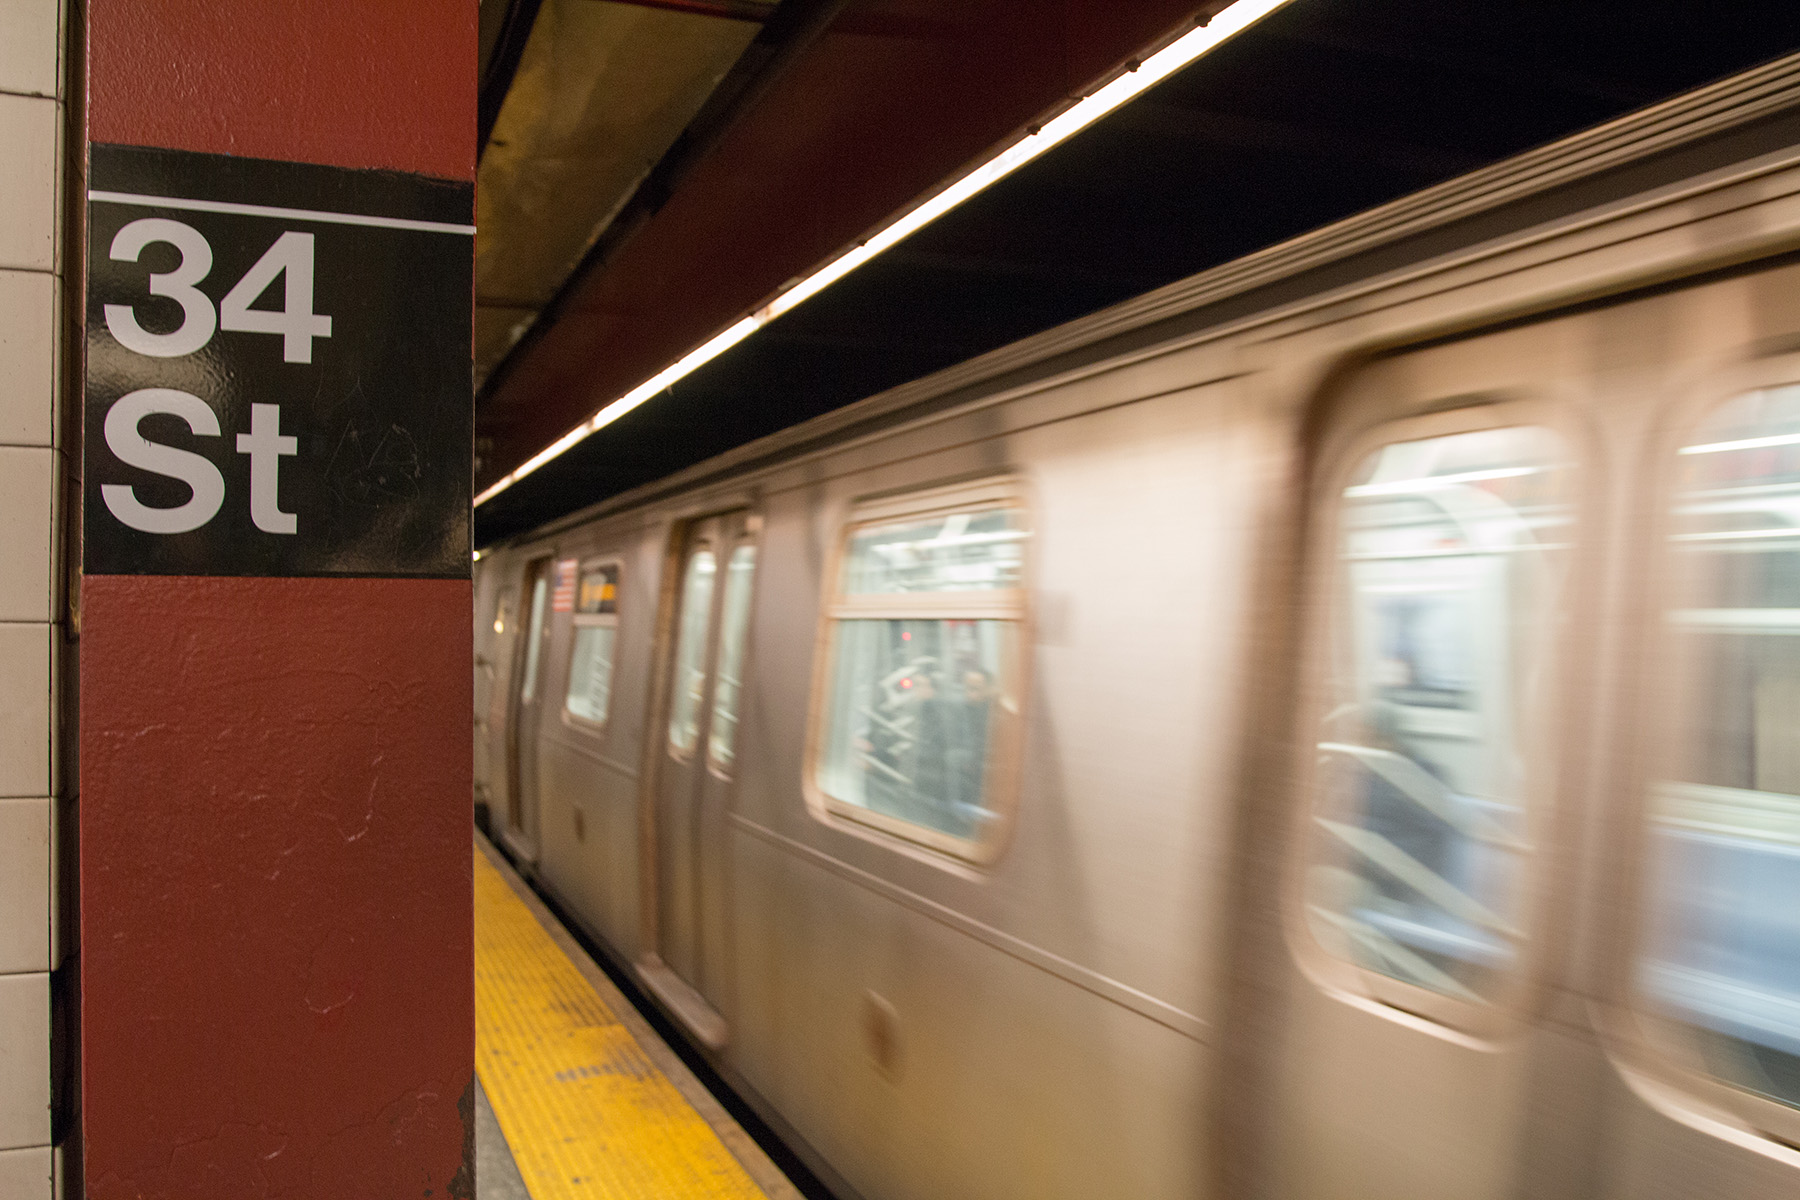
(1328,728)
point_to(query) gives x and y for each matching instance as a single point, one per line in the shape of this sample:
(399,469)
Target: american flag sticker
(563,598)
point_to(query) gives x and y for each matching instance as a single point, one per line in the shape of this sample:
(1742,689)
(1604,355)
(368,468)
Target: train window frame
(1644,1041)
(750,539)
(684,558)
(1005,751)
(579,621)
(1339,454)
(536,606)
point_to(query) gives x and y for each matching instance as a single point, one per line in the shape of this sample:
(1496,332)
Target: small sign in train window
(599,592)
(596,641)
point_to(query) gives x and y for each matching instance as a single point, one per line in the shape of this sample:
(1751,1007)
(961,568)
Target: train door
(483,690)
(519,828)
(492,678)
(1431,753)
(704,670)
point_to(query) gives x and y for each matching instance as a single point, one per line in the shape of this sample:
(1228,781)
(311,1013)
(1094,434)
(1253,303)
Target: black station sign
(277,369)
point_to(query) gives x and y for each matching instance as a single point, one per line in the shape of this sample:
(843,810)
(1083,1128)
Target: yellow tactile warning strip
(587,1114)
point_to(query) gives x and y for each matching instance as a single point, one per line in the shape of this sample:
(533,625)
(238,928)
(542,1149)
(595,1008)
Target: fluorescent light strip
(1079,116)
(1756,443)
(1436,483)
(1736,535)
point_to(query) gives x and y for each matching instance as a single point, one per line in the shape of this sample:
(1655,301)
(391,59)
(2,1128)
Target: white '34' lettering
(291,259)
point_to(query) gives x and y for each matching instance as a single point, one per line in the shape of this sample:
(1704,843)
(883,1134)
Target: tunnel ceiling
(598,94)
(834,116)
(1326,108)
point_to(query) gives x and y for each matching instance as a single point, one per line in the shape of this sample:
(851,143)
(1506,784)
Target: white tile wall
(24,887)
(24,1060)
(29,39)
(25,1174)
(27,489)
(24,713)
(30,129)
(27,357)
(31,123)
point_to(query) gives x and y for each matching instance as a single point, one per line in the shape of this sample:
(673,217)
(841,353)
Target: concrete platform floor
(496,1174)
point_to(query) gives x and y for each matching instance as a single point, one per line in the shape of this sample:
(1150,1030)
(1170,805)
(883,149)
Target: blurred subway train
(1326,728)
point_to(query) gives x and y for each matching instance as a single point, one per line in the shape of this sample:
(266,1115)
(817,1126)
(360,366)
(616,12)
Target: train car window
(1448,576)
(690,651)
(1721,955)
(596,638)
(923,675)
(540,594)
(721,741)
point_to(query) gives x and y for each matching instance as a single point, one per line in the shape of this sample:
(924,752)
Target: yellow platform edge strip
(586,1113)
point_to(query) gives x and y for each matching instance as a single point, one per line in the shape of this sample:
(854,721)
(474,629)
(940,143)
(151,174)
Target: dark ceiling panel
(1325,109)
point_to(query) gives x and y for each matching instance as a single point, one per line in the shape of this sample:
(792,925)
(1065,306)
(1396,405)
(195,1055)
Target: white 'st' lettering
(265,445)
(135,450)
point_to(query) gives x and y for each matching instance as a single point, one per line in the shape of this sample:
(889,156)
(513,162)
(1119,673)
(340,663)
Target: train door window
(596,623)
(690,650)
(540,595)
(721,738)
(1436,692)
(916,724)
(1721,954)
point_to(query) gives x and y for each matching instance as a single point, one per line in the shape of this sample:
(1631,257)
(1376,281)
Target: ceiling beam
(792,27)
(502,65)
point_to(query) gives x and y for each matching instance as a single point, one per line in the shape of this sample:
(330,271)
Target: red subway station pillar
(275,878)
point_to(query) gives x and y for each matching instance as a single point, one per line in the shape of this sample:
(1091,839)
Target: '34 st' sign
(277,369)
